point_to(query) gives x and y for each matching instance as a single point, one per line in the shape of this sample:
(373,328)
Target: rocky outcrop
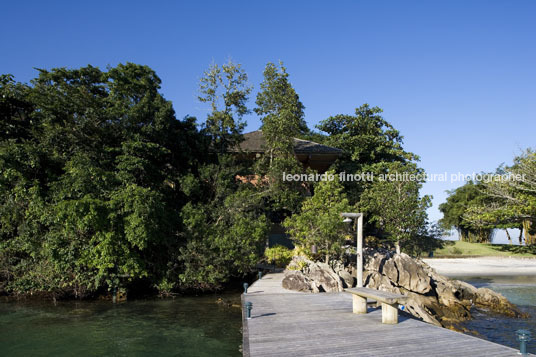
(297,280)
(305,275)
(432,297)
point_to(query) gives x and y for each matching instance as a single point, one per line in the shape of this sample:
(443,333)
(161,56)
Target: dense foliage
(282,117)
(368,142)
(506,199)
(397,209)
(458,205)
(372,150)
(319,223)
(102,187)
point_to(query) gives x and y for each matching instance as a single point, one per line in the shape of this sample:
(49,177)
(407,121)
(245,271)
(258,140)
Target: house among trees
(312,155)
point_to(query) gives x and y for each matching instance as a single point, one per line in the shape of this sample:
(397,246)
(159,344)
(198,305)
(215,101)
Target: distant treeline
(502,200)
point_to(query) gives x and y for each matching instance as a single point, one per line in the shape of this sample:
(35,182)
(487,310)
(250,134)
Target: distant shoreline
(520,257)
(483,266)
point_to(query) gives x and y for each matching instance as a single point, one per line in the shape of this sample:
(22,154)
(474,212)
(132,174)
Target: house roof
(254,142)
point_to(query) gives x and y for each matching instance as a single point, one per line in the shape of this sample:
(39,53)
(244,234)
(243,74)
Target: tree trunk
(464,235)
(530,234)
(521,235)
(397,246)
(508,236)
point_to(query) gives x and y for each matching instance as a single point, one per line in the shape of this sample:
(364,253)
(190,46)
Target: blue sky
(457,78)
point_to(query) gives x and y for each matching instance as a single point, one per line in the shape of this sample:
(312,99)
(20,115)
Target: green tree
(458,205)
(319,222)
(510,199)
(367,141)
(282,118)
(15,108)
(225,232)
(395,206)
(227,91)
(281,111)
(91,164)
(373,147)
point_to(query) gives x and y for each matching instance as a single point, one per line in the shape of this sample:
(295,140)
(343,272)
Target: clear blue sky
(457,78)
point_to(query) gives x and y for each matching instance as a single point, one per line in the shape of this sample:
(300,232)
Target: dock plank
(287,323)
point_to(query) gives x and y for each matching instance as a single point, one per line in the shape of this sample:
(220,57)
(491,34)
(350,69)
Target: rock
(303,274)
(344,274)
(374,260)
(485,297)
(325,277)
(375,280)
(431,297)
(411,275)
(422,307)
(298,262)
(347,279)
(296,280)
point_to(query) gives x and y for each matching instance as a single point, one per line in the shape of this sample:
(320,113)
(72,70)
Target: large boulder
(306,275)
(431,297)
(411,275)
(325,278)
(401,269)
(485,297)
(297,281)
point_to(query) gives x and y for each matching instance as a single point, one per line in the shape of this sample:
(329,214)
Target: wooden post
(359,304)
(389,313)
(360,251)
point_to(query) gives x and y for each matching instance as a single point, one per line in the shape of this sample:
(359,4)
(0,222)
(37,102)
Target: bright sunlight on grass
(459,248)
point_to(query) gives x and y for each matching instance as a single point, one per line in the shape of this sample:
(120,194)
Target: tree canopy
(368,142)
(282,118)
(395,206)
(505,199)
(373,149)
(456,207)
(319,222)
(225,87)
(98,185)
(103,187)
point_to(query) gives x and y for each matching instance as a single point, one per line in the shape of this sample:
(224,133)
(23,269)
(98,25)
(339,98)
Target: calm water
(520,291)
(190,326)
(186,326)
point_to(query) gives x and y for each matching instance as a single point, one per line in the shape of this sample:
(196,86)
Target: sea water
(521,291)
(193,326)
(185,326)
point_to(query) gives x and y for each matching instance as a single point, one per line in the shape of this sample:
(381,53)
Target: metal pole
(249,306)
(523,336)
(360,251)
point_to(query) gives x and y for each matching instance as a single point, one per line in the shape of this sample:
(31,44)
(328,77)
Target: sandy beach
(483,266)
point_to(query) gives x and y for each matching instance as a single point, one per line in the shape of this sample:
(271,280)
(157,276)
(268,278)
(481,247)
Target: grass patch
(459,248)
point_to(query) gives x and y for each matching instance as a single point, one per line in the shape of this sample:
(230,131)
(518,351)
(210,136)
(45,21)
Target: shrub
(278,255)
(456,251)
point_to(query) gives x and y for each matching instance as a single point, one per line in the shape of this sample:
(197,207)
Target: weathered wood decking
(286,323)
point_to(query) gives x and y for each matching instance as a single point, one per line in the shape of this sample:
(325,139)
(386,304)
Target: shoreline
(483,266)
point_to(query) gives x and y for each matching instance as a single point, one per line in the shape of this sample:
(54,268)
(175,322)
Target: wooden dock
(286,323)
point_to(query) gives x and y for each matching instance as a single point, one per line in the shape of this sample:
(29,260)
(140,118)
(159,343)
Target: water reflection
(186,326)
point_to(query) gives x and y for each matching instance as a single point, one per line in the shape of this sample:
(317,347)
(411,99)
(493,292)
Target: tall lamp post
(349,218)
